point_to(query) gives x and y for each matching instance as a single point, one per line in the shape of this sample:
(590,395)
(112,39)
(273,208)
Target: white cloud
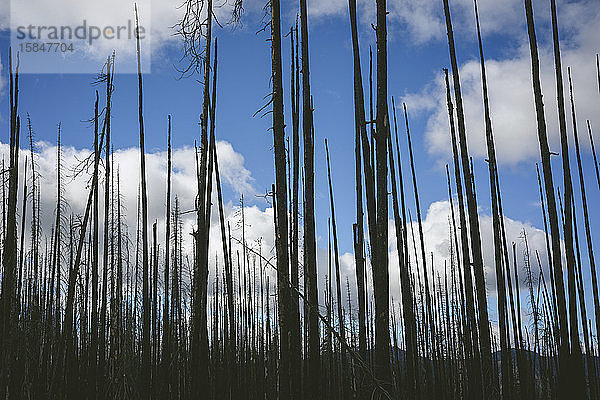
(4,15)
(258,227)
(511,93)
(423,20)
(158,18)
(437,241)
(234,176)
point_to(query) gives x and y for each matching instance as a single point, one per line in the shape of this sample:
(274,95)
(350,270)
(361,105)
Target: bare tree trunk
(199,343)
(281,228)
(568,188)
(107,202)
(166,353)
(577,360)
(232,386)
(295,329)
(9,255)
(498,247)
(95,257)
(360,132)
(484,333)
(564,353)
(380,268)
(407,295)
(310,254)
(344,383)
(430,330)
(56,252)
(21,256)
(73,271)
(145,368)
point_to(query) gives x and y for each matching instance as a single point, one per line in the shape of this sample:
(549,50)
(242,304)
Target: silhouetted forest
(92,310)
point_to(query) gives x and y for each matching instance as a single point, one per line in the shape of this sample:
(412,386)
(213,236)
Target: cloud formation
(234,176)
(423,20)
(255,221)
(159,20)
(511,93)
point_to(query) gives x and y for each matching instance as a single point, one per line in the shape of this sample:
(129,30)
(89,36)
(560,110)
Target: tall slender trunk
(295,329)
(575,346)
(474,230)
(380,268)
(407,295)
(591,136)
(498,247)
(199,342)
(564,353)
(310,253)
(568,189)
(344,383)
(281,217)
(22,244)
(9,255)
(95,256)
(145,368)
(430,333)
(56,253)
(67,338)
(166,349)
(472,340)
(229,281)
(107,202)
(359,134)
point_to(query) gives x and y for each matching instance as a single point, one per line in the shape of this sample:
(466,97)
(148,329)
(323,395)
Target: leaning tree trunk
(430,334)
(231,350)
(498,246)
(360,132)
(344,383)
(577,360)
(407,295)
(73,272)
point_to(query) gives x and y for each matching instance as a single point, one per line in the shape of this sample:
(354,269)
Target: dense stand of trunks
(154,321)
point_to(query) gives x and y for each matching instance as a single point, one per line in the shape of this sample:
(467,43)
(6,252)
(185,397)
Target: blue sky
(417,53)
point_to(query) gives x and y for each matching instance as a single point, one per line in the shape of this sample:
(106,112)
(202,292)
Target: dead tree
(407,294)
(295,328)
(9,255)
(280,208)
(313,366)
(360,133)
(474,230)
(496,223)
(166,352)
(344,383)
(577,360)
(563,345)
(146,370)
(380,267)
